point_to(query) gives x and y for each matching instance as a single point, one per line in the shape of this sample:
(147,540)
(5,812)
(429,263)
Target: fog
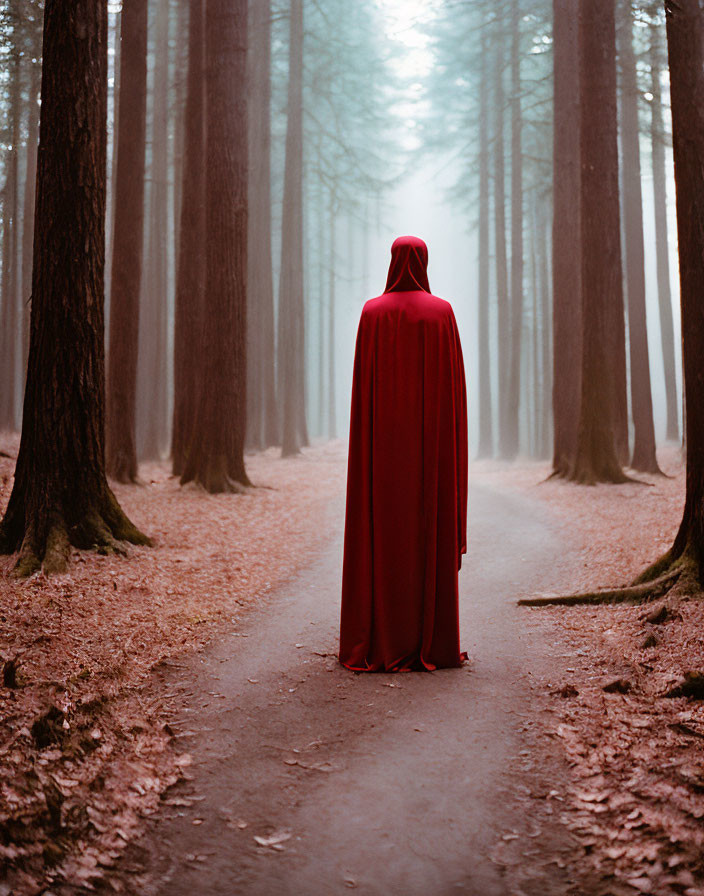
(391,128)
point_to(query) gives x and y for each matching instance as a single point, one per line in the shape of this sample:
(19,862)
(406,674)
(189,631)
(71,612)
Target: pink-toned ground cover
(87,643)
(636,801)
(90,643)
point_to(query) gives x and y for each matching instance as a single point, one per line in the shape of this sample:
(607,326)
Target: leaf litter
(636,755)
(87,743)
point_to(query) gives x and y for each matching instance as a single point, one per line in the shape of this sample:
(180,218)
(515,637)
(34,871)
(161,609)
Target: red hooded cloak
(406,518)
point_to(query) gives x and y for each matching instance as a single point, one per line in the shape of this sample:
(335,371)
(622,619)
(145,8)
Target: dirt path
(410,784)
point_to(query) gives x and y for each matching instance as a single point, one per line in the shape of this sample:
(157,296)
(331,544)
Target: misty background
(391,144)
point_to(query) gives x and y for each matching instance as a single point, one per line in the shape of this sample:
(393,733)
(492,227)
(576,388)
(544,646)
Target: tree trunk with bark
(685,37)
(662,250)
(546,345)
(509,447)
(179,89)
(502,293)
(597,457)
(643,457)
(10,280)
(152,417)
(262,418)
(486,438)
(291,305)
(190,280)
(120,436)
(322,288)
(332,395)
(566,256)
(60,494)
(216,453)
(680,572)
(30,189)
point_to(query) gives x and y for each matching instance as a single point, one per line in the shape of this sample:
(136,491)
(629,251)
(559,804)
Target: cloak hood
(408,271)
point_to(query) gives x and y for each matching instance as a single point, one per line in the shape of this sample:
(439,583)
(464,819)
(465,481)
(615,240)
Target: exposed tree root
(676,576)
(217,475)
(121,468)
(106,530)
(585,479)
(221,486)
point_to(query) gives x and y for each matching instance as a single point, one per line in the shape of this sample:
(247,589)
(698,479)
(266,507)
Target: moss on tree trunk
(60,495)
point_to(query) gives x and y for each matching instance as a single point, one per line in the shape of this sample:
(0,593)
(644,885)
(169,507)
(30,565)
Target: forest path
(419,783)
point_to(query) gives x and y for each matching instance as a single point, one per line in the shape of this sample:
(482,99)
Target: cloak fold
(406,517)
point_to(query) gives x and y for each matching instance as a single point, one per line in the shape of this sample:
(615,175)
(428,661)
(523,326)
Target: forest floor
(186,701)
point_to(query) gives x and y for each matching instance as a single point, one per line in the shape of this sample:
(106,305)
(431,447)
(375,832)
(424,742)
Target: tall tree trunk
(602,289)
(685,36)
(332,395)
(8,321)
(152,363)
(662,249)
(5,305)
(566,256)
(128,233)
(322,288)
(291,308)
(179,98)
(60,494)
(546,357)
(190,281)
(262,417)
(30,189)
(535,373)
(502,295)
(643,457)
(509,448)
(486,438)
(112,169)
(216,454)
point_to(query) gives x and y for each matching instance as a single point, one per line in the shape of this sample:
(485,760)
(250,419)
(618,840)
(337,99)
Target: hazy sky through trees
(391,144)
(421,203)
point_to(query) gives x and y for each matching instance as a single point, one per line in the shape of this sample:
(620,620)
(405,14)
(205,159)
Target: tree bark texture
(216,454)
(152,420)
(128,240)
(332,395)
(662,250)
(262,417)
(30,190)
(685,36)
(322,289)
(502,293)
(601,277)
(190,280)
(643,457)
(486,438)
(116,37)
(60,494)
(546,343)
(509,447)
(10,280)
(291,336)
(566,256)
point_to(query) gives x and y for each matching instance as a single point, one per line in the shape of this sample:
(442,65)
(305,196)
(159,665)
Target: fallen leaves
(82,655)
(692,685)
(636,803)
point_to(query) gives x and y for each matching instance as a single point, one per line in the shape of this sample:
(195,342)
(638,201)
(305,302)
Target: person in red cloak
(406,516)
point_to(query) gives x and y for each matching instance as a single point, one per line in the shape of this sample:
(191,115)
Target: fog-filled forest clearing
(197,199)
